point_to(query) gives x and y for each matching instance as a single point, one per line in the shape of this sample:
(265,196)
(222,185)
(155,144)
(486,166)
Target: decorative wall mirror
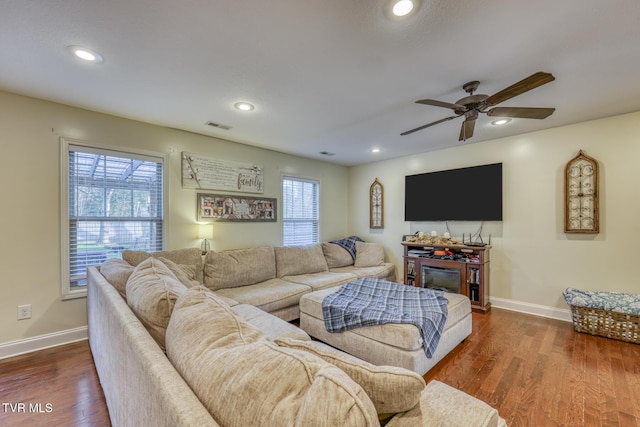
(376,205)
(581,195)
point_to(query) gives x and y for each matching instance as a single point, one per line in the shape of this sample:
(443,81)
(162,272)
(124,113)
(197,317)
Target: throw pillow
(369,254)
(183,257)
(117,271)
(243,379)
(391,389)
(336,255)
(152,290)
(304,259)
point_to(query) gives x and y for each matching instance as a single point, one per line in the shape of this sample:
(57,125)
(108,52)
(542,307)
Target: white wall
(30,197)
(534,260)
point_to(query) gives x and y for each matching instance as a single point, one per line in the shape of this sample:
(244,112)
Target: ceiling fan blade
(466,130)
(533,81)
(428,125)
(436,103)
(521,112)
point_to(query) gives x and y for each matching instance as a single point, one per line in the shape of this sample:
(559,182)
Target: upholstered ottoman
(389,344)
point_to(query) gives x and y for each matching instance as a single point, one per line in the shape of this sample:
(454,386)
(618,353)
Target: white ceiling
(325,75)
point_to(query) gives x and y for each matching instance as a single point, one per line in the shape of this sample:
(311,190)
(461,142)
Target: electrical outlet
(24,311)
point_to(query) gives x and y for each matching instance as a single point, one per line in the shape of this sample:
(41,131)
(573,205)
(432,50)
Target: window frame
(67,291)
(315,181)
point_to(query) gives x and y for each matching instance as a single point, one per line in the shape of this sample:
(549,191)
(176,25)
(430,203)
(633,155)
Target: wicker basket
(610,324)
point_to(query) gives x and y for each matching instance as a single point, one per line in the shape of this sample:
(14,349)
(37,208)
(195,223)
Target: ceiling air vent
(327,153)
(218,125)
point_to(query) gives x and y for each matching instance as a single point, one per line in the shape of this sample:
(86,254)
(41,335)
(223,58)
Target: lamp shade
(205,231)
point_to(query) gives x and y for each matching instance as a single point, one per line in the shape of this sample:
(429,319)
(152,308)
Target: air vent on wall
(327,153)
(218,125)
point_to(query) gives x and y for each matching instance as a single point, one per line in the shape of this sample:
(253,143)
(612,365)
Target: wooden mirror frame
(373,189)
(581,210)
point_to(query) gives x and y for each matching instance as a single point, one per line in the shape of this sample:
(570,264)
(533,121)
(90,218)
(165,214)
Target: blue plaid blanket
(349,243)
(370,301)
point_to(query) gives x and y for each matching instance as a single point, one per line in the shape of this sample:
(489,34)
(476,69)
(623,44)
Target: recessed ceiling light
(375,150)
(500,122)
(244,106)
(85,54)
(402,7)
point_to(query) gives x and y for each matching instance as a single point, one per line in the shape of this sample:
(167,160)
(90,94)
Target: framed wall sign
(581,213)
(224,207)
(376,205)
(207,173)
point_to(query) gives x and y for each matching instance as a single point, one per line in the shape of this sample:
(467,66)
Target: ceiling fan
(470,106)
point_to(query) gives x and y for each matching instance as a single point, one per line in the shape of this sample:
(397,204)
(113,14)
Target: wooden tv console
(472,263)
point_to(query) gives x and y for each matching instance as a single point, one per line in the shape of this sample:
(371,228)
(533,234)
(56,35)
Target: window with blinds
(300,211)
(115,202)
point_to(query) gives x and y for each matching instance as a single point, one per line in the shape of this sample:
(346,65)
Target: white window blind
(115,202)
(300,212)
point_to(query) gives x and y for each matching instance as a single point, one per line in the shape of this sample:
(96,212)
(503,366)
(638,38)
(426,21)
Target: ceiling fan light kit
(472,105)
(500,122)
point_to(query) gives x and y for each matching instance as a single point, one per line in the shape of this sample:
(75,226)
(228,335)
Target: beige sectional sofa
(172,352)
(274,278)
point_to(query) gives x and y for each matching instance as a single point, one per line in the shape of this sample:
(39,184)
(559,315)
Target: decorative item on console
(433,239)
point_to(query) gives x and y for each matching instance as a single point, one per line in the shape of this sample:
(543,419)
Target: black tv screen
(467,194)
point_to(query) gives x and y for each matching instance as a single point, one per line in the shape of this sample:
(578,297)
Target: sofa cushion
(260,380)
(271,326)
(270,295)
(189,257)
(152,290)
(117,272)
(183,272)
(336,255)
(322,280)
(385,271)
(239,267)
(369,254)
(200,309)
(304,259)
(391,389)
(443,405)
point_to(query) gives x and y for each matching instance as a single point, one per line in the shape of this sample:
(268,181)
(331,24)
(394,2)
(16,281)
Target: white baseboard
(16,348)
(534,309)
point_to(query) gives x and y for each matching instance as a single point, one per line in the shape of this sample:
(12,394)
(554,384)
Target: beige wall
(30,195)
(534,260)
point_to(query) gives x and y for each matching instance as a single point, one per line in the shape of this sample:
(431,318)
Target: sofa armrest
(443,405)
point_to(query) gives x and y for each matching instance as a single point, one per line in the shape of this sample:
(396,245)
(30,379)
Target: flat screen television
(466,194)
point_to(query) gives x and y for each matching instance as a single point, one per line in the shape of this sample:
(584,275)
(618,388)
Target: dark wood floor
(57,386)
(539,372)
(535,371)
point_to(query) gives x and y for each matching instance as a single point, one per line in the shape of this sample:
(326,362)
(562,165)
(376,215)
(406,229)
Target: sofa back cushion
(240,267)
(184,273)
(369,254)
(152,290)
(391,389)
(117,272)
(336,255)
(304,259)
(189,259)
(243,379)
